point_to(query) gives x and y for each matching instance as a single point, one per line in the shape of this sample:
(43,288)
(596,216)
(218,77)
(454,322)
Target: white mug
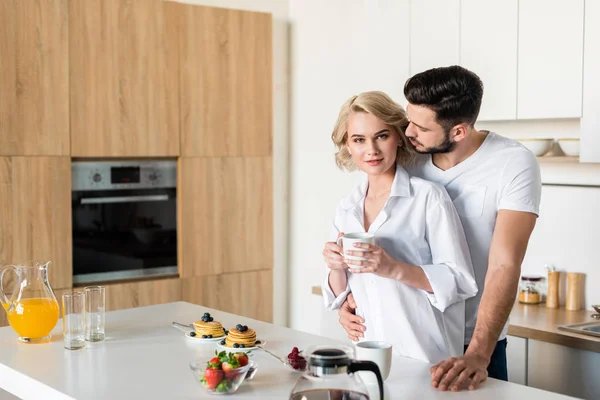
(347,242)
(378,352)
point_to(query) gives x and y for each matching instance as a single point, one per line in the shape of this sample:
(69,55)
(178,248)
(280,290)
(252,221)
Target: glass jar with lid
(530,289)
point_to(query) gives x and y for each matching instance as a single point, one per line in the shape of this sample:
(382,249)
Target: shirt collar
(400,188)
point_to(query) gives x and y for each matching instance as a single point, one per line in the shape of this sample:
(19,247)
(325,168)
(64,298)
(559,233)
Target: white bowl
(538,147)
(569,146)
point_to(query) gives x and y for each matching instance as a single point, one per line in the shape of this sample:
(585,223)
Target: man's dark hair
(454,93)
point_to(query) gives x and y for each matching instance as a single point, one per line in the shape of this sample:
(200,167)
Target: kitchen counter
(144,357)
(540,323)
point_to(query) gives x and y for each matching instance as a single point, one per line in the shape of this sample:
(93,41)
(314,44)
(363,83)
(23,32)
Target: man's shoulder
(503,146)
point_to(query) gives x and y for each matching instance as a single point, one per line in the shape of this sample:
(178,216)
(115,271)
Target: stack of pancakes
(246,338)
(213,328)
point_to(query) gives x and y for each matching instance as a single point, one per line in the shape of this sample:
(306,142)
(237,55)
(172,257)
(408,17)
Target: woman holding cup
(404,256)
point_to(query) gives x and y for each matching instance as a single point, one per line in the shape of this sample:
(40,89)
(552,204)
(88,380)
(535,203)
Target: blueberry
(209,336)
(226,332)
(235,345)
(207,314)
(245,328)
(222,342)
(258,342)
(239,327)
(242,346)
(203,336)
(192,334)
(204,319)
(210,319)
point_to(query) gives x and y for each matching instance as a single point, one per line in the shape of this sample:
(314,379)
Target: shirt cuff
(330,300)
(443,284)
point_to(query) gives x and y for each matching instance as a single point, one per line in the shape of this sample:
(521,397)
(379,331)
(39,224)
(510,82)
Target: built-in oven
(124,220)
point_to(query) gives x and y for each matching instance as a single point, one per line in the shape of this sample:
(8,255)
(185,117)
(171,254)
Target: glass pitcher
(31,308)
(330,375)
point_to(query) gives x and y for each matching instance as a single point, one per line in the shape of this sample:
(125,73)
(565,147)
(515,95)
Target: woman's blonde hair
(381,106)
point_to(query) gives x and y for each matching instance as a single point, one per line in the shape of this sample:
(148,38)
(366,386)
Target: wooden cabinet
(124,85)
(145,293)
(35,208)
(34,78)
(488,47)
(226,215)
(225,82)
(434,34)
(550,59)
(247,293)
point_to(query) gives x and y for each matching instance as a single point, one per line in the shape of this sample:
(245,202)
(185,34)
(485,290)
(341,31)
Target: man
(495,185)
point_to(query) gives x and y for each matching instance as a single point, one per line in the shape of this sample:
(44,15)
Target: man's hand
(350,322)
(458,373)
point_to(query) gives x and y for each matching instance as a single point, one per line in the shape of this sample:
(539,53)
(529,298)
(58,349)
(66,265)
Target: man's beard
(446,146)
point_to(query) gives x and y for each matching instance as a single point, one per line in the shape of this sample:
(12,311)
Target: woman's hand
(378,261)
(332,253)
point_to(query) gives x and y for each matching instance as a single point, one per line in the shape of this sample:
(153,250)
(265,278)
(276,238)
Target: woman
(411,288)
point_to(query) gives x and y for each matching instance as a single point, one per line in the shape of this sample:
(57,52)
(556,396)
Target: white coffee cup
(378,352)
(348,240)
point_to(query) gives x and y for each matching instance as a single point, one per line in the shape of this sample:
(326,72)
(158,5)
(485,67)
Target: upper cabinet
(124,84)
(590,119)
(434,34)
(34,77)
(488,47)
(225,81)
(550,59)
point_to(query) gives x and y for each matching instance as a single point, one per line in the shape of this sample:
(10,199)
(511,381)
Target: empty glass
(94,313)
(73,320)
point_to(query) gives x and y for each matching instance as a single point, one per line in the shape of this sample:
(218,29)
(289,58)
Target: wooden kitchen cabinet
(144,293)
(34,77)
(225,81)
(35,210)
(249,294)
(550,59)
(434,34)
(225,215)
(488,47)
(124,85)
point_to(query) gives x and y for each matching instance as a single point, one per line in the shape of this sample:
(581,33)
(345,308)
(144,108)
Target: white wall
(353,45)
(279,9)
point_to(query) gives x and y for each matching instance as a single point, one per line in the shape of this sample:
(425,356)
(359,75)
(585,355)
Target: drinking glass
(94,313)
(73,320)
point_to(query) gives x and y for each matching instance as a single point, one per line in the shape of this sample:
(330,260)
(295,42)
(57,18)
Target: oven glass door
(123,234)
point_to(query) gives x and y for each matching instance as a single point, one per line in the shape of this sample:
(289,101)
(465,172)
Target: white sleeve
(451,271)
(521,184)
(330,300)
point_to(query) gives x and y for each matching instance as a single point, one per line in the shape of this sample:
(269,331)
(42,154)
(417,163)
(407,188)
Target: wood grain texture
(226,82)
(40,209)
(34,77)
(139,294)
(124,80)
(226,218)
(249,294)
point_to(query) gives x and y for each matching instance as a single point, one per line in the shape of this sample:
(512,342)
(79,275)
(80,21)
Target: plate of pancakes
(207,330)
(240,338)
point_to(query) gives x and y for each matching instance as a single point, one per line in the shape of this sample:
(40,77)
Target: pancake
(213,328)
(246,338)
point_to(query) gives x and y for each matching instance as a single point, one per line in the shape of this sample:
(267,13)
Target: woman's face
(372,143)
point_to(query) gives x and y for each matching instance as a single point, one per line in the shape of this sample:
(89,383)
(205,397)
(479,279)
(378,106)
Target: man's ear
(459,132)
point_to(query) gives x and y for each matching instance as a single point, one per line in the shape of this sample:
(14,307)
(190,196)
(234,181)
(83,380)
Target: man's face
(425,134)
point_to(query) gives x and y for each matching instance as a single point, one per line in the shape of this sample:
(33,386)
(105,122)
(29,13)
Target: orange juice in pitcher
(32,309)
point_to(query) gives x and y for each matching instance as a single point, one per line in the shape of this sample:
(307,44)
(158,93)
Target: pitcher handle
(356,366)
(3,297)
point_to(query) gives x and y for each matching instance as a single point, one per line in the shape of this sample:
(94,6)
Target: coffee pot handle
(368,366)
(3,297)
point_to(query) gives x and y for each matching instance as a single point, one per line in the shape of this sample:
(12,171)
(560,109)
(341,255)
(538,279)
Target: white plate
(198,338)
(244,349)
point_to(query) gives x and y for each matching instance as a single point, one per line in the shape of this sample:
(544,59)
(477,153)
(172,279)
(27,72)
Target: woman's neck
(381,184)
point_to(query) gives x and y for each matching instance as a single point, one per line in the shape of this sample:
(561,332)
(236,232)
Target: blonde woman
(411,288)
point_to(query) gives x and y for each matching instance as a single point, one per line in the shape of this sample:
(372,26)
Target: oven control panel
(114,175)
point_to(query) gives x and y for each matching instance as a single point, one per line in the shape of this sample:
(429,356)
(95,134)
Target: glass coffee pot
(331,375)
(31,306)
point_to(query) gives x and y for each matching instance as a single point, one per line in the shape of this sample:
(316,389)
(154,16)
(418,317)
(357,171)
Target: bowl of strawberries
(224,373)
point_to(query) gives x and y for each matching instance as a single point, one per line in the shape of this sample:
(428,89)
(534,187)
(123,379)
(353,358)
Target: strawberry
(213,377)
(214,363)
(230,371)
(242,358)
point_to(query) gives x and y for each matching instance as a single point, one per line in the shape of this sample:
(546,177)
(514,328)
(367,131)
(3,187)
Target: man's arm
(507,250)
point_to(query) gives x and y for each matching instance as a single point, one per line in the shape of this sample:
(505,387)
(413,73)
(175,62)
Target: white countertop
(143,357)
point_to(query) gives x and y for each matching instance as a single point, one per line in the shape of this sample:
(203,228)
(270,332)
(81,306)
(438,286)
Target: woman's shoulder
(433,191)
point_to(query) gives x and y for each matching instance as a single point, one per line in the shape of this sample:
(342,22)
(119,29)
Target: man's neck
(463,150)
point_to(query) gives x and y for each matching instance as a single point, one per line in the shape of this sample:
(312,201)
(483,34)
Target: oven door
(124,234)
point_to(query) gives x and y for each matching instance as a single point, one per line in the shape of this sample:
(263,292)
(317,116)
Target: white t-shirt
(418,225)
(501,175)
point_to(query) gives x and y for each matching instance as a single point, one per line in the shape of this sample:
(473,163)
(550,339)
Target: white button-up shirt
(417,225)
